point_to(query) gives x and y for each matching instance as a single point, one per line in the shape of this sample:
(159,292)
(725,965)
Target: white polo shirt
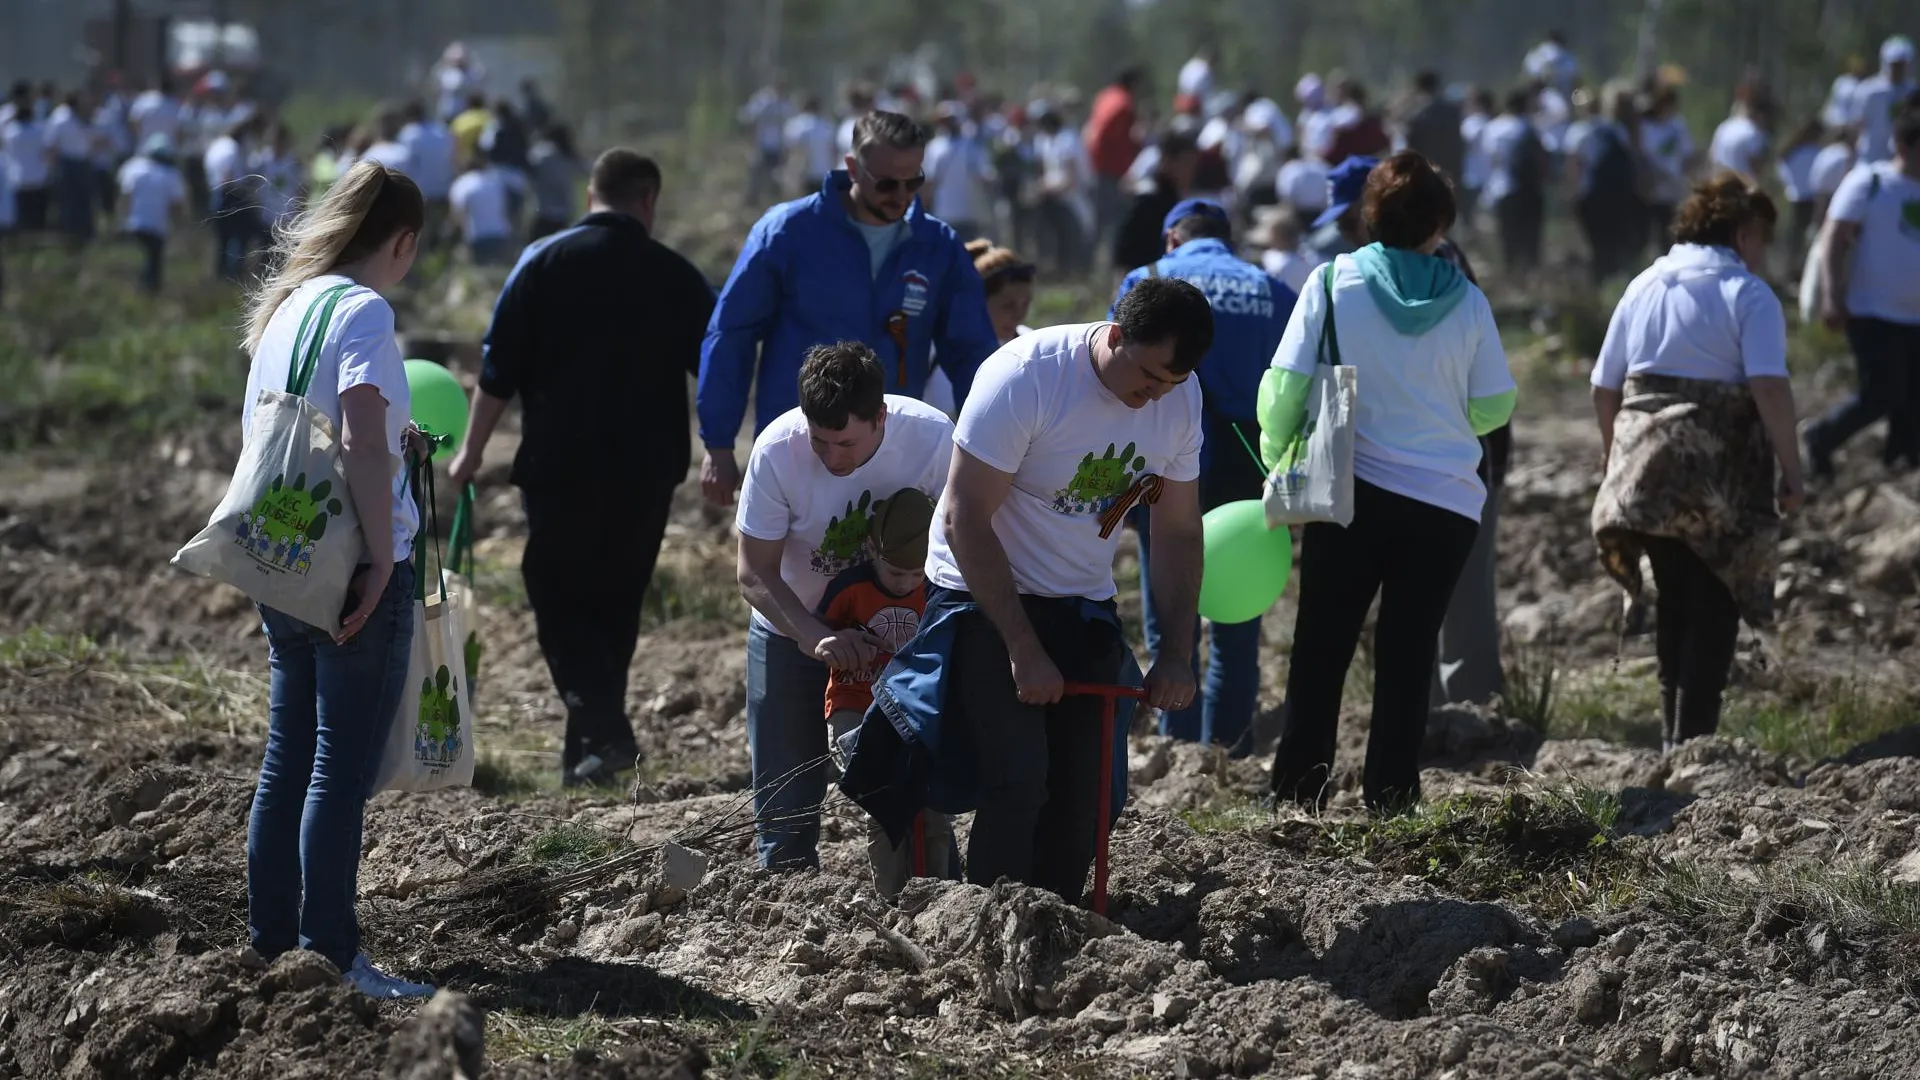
(1696,313)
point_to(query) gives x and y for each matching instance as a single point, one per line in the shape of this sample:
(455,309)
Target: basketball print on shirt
(895,626)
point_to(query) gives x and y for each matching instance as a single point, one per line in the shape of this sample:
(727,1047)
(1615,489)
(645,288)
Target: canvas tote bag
(430,742)
(286,533)
(1314,478)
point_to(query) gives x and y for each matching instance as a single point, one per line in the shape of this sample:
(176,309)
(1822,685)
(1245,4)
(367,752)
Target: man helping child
(804,518)
(884,598)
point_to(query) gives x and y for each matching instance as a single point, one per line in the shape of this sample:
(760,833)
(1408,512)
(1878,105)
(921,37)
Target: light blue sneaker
(374,983)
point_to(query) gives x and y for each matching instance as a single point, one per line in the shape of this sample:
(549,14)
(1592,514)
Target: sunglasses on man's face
(887,185)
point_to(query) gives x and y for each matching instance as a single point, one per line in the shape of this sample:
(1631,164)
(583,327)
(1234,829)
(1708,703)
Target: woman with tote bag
(335,692)
(1427,377)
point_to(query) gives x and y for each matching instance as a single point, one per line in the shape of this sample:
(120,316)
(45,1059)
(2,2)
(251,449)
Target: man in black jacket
(596,331)
(1141,236)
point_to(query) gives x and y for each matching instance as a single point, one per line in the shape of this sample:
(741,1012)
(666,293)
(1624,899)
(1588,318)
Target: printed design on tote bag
(1291,477)
(436,738)
(470,652)
(286,525)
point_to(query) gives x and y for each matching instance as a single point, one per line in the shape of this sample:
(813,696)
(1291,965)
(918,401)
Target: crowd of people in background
(496,171)
(1053,174)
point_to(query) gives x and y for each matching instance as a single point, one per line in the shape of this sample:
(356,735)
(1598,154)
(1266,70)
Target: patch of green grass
(497,584)
(513,1034)
(38,671)
(90,360)
(568,846)
(754,1053)
(1550,845)
(1531,672)
(506,776)
(1831,718)
(1602,703)
(1850,898)
(686,587)
(1227,817)
(1068,303)
(1620,706)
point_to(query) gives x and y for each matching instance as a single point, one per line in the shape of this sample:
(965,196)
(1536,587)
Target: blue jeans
(787,734)
(332,707)
(1885,354)
(1231,690)
(236,227)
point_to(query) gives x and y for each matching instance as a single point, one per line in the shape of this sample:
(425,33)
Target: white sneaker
(374,983)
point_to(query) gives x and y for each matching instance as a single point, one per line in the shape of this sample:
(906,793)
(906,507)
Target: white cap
(1895,50)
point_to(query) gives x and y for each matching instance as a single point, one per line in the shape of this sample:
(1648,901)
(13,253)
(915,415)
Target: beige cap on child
(899,528)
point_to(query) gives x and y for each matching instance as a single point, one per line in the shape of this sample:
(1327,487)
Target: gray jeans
(1468,668)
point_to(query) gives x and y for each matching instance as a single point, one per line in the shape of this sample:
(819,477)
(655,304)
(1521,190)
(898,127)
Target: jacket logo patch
(915,300)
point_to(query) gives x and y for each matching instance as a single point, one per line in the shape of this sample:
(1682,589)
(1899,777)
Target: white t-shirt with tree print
(1079,456)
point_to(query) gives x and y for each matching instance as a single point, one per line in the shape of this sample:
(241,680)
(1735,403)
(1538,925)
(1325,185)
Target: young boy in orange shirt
(885,598)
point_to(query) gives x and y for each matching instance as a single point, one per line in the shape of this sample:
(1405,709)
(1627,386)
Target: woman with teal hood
(1432,377)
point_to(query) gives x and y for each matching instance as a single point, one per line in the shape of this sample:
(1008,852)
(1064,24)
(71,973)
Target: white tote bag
(286,533)
(1810,276)
(1314,478)
(430,743)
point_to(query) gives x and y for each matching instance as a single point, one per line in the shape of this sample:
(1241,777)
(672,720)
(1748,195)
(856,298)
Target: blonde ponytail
(365,207)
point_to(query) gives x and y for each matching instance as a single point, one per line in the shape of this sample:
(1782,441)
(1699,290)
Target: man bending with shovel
(1065,431)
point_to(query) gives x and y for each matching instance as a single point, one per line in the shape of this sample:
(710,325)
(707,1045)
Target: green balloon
(439,404)
(1247,563)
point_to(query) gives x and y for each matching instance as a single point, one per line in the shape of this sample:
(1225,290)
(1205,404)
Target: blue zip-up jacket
(805,278)
(1250,310)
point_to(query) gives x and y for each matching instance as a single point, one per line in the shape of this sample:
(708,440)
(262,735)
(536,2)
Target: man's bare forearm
(1176,564)
(487,411)
(771,596)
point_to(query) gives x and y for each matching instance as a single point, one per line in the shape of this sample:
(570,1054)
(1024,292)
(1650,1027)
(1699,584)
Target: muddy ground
(1569,904)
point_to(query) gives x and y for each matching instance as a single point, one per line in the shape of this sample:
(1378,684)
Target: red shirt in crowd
(1111,142)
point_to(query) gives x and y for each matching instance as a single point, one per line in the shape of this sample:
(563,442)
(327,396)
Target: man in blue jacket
(859,260)
(1250,310)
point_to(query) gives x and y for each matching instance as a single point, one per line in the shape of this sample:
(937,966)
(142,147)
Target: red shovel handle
(1107,694)
(1105,690)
